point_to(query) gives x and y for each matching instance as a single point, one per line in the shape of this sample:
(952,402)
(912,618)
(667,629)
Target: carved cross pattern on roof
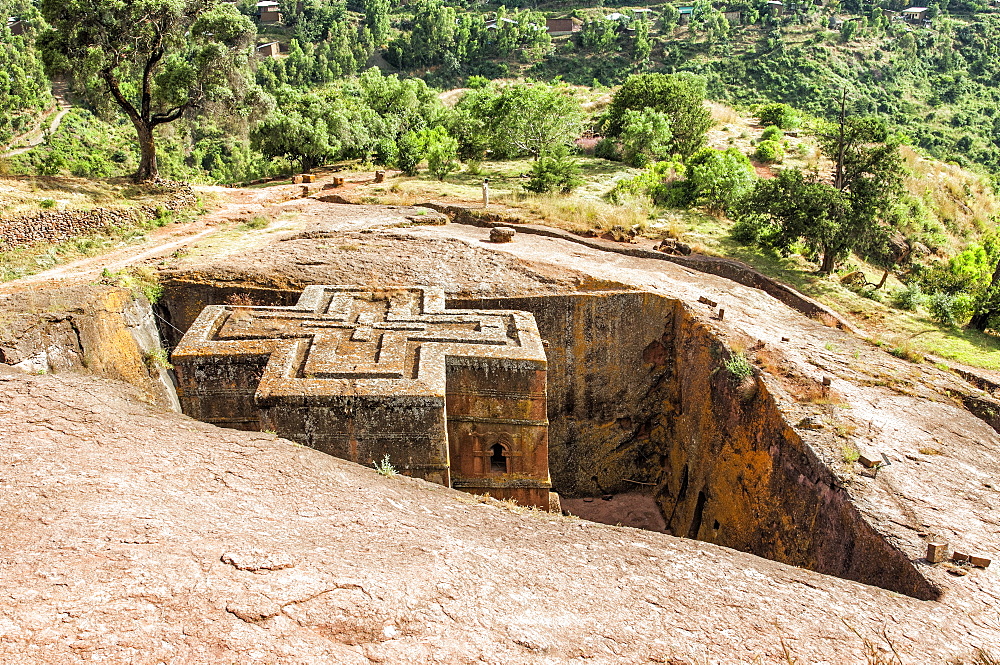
(341,339)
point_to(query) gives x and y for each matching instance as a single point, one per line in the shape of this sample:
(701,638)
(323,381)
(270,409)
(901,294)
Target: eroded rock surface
(187,542)
(136,535)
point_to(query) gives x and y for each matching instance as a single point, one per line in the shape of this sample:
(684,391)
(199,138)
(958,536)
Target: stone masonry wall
(61,225)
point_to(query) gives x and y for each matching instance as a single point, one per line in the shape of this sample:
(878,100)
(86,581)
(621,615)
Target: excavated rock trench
(648,429)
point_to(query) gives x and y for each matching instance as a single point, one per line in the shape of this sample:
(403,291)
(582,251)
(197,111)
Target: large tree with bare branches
(155,60)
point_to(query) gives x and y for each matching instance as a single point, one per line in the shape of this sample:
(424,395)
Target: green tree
(296,137)
(718,178)
(669,17)
(641,46)
(411,153)
(525,118)
(441,150)
(377,20)
(24,88)
(835,218)
(680,96)
(645,137)
(154,59)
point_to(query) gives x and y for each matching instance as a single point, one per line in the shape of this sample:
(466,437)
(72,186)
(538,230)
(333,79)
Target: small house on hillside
(562,26)
(493,25)
(775,7)
(271,50)
(268,12)
(642,12)
(734,16)
(685,15)
(914,14)
(15,26)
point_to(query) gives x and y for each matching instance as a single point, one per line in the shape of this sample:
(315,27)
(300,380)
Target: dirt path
(237,205)
(37,137)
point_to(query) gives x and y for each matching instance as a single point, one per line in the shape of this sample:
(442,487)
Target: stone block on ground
(869,457)
(502,234)
(979,561)
(937,550)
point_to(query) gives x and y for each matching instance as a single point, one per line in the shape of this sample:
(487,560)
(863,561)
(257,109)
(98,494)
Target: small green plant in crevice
(47,204)
(850,453)
(385,467)
(738,366)
(157,359)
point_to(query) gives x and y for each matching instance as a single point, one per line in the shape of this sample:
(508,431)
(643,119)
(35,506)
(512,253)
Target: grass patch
(257,223)
(141,281)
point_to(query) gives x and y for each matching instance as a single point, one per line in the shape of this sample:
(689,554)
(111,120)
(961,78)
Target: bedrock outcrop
(189,542)
(133,534)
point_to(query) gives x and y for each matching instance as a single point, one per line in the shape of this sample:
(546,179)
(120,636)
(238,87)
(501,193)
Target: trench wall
(638,393)
(638,398)
(106,330)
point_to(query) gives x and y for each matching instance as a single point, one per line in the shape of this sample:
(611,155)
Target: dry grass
(957,201)
(725,115)
(576,214)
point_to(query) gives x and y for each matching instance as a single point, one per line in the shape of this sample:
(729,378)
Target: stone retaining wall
(60,225)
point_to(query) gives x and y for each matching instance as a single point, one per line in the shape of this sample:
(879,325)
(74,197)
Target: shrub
(718,178)
(950,310)
(645,136)
(476,82)
(661,182)
(554,172)
(909,297)
(782,116)
(608,149)
(769,152)
(772,133)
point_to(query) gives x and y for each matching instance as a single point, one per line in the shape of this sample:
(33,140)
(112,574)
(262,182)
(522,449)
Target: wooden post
(486,192)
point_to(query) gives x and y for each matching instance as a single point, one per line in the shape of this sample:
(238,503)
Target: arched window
(498,459)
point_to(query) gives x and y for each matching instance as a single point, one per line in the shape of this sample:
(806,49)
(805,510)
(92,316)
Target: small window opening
(498,461)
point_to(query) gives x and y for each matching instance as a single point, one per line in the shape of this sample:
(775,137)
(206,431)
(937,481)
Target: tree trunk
(829,262)
(147,145)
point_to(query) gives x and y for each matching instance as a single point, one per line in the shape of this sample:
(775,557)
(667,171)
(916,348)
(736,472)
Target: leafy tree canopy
(681,97)
(153,59)
(526,118)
